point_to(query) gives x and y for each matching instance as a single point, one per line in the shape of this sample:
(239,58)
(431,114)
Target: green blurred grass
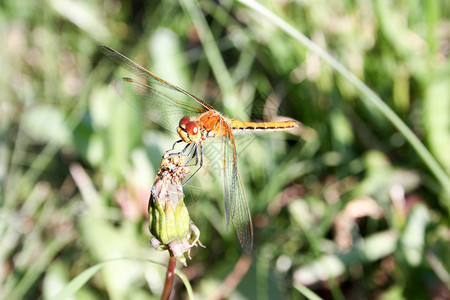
(351,212)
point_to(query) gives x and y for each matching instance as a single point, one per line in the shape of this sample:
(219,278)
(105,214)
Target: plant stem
(169,277)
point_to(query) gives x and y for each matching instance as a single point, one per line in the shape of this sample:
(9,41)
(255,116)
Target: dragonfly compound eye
(184,121)
(192,128)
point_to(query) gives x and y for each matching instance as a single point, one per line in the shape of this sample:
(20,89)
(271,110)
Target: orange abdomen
(245,127)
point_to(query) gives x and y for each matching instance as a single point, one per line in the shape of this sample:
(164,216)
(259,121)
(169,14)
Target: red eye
(184,121)
(191,128)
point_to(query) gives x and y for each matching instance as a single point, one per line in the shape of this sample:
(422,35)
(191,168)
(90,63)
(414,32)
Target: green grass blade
(365,91)
(213,55)
(78,282)
(307,292)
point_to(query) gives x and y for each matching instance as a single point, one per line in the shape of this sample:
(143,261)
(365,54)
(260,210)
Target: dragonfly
(166,104)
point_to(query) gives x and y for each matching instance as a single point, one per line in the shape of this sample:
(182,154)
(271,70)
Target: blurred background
(346,207)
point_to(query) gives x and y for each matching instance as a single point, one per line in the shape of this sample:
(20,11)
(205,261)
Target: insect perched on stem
(162,102)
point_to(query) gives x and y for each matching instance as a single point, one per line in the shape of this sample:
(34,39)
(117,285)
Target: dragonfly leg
(173,146)
(193,150)
(181,152)
(200,145)
(192,154)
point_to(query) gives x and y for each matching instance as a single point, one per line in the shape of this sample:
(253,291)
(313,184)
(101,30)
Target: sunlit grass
(356,204)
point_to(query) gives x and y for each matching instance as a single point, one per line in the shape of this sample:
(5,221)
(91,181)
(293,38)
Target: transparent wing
(155,98)
(161,108)
(236,206)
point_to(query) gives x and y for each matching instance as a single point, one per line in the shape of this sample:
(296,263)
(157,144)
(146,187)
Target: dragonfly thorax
(188,130)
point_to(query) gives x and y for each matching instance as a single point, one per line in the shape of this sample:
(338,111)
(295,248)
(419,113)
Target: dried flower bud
(169,220)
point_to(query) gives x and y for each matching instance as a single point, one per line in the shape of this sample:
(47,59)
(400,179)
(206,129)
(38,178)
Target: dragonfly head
(188,130)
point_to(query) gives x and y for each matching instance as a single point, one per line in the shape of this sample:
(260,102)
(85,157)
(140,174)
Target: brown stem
(234,278)
(169,277)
